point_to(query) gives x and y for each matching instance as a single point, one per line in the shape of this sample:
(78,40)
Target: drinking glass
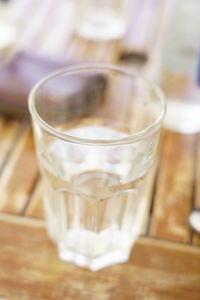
(96,130)
(102,20)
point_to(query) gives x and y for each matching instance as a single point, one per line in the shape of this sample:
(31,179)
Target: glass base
(94,264)
(95,250)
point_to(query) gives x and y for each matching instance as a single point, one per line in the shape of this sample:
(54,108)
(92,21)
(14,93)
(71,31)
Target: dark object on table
(146,24)
(19,75)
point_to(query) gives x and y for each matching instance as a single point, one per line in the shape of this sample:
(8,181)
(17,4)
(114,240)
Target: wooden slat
(18,176)
(173,198)
(30,269)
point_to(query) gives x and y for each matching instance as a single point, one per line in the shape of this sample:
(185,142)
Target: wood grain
(30,269)
(18,176)
(102,51)
(35,206)
(174,189)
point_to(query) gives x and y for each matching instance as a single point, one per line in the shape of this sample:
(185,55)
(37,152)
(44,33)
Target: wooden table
(165,262)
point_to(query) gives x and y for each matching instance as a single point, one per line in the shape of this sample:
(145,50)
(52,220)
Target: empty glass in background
(180,53)
(96,130)
(8,29)
(102,20)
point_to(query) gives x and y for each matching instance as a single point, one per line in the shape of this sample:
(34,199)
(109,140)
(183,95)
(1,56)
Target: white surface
(182,116)
(7,35)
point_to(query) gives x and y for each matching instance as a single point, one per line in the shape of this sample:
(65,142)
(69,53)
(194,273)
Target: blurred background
(160,39)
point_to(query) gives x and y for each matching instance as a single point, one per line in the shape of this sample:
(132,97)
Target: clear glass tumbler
(102,20)
(96,130)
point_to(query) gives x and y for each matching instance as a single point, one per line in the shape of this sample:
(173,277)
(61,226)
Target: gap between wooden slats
(174,188)
(149,198)
(9,131)
(35,206)
(25,221)
(196,204)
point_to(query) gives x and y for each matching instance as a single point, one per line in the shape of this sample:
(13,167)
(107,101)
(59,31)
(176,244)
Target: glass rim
(92,66)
